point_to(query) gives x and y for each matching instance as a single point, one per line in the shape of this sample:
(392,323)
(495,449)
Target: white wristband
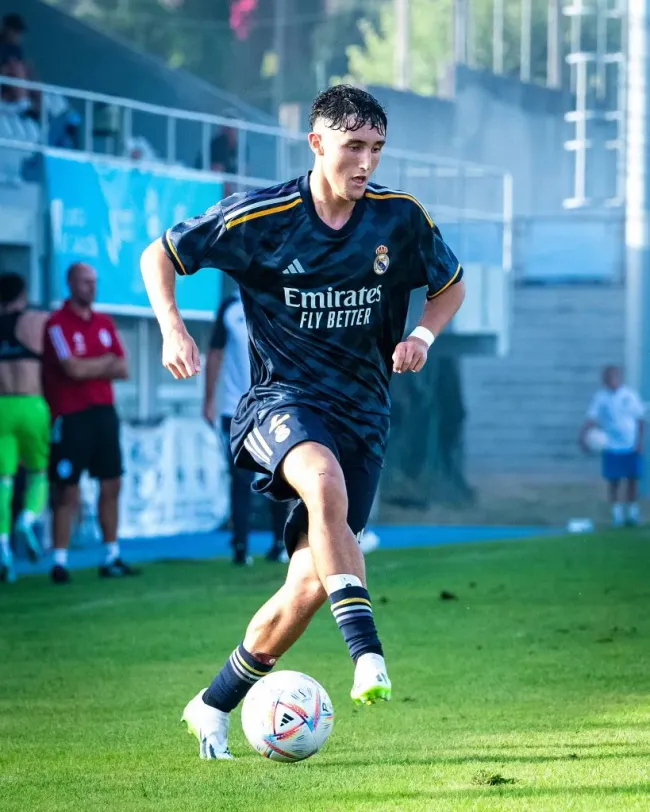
(424,334)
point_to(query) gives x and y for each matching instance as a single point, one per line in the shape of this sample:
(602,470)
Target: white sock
(5,549)
(61,558)
(335,582)
(112,551)
(633,510)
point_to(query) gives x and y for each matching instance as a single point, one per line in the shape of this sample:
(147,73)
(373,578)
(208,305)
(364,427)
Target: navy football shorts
(263,438)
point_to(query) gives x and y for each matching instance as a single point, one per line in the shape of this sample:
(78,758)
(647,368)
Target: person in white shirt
(228,358)
(618,411)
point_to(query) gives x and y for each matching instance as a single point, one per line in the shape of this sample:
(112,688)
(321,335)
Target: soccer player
(24,417)
(618,411)
(82,356)
(228,358)
(326,264)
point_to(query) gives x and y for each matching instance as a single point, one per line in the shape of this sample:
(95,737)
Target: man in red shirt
(82,355)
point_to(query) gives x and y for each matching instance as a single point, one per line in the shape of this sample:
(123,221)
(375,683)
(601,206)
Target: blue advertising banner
(106,213)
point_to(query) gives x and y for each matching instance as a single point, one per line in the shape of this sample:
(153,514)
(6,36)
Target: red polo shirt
(67,334)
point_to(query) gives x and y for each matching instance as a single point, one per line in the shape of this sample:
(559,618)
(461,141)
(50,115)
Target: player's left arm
(436,267)
(411,355)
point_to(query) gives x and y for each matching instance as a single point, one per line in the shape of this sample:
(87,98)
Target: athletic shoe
(59,574)
(242,560)
(25,532)
(278,555)
(7,570)
(117,569)
(369,542)
(210,726)
(371,681)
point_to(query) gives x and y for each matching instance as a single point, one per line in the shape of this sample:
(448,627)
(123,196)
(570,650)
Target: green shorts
(24,433)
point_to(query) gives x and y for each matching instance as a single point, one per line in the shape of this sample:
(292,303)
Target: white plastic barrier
(175,481)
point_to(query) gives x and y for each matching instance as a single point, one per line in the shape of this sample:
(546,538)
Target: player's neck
(83,311)
(333,211)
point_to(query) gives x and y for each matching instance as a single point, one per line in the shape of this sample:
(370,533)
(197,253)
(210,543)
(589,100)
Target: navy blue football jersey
(325,308)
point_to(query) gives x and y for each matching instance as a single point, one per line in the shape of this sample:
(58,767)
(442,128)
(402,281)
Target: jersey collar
(348,228)
(67,307)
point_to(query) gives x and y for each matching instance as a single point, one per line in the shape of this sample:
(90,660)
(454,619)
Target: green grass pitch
(528,691)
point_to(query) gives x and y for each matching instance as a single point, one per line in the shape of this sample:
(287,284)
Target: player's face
(612,377)
(348,159)
(83,285)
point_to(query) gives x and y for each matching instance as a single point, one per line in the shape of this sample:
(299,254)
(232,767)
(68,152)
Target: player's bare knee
(325,492)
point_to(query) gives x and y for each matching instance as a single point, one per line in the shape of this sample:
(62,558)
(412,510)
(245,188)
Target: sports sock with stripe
(239,673)
(350,604)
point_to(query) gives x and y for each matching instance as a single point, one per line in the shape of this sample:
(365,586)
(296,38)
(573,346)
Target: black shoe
(59,574)
(242,560)
(117,569)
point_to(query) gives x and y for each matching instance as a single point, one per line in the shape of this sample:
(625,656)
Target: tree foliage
(431,39)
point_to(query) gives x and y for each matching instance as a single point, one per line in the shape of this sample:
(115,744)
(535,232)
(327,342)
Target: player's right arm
(180,355)
(590,422)
(200,242)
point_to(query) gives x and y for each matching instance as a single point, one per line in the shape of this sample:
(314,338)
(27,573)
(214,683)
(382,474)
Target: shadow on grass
(565,746)
(512,791)
(480,759)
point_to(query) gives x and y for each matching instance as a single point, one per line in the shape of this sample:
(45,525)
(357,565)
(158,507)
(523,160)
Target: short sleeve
(56,339)
(435,264)
(219,334)
(207,242)
(593,412)
(638,408)
(117,348)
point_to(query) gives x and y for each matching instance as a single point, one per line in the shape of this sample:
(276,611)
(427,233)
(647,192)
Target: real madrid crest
(382,260)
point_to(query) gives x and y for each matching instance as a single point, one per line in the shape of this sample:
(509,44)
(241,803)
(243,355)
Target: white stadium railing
(471,202)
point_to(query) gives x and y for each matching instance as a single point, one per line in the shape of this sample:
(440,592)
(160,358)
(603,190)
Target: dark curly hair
(344,107)
(12,285)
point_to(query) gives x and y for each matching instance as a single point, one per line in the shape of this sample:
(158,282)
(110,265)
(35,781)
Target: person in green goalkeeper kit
(24,417)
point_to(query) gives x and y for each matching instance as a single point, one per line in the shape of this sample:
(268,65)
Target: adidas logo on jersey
(294,267)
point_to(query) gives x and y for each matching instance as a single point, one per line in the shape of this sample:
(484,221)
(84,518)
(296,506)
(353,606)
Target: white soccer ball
(596,440)
(287,716)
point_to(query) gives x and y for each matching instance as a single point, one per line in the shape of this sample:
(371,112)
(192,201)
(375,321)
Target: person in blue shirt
(326,264)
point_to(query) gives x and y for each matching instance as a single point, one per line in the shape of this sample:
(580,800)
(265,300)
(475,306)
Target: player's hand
(410,355)
(209,412)
(180,355)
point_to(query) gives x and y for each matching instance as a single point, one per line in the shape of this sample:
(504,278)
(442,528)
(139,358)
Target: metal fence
(469,197)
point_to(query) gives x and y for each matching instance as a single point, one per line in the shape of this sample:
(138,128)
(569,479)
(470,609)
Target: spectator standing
(618,411)
(228,359)
(11,39)
(82,356)
(14,64)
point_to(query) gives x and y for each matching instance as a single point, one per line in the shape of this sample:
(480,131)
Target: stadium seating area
(15,127)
